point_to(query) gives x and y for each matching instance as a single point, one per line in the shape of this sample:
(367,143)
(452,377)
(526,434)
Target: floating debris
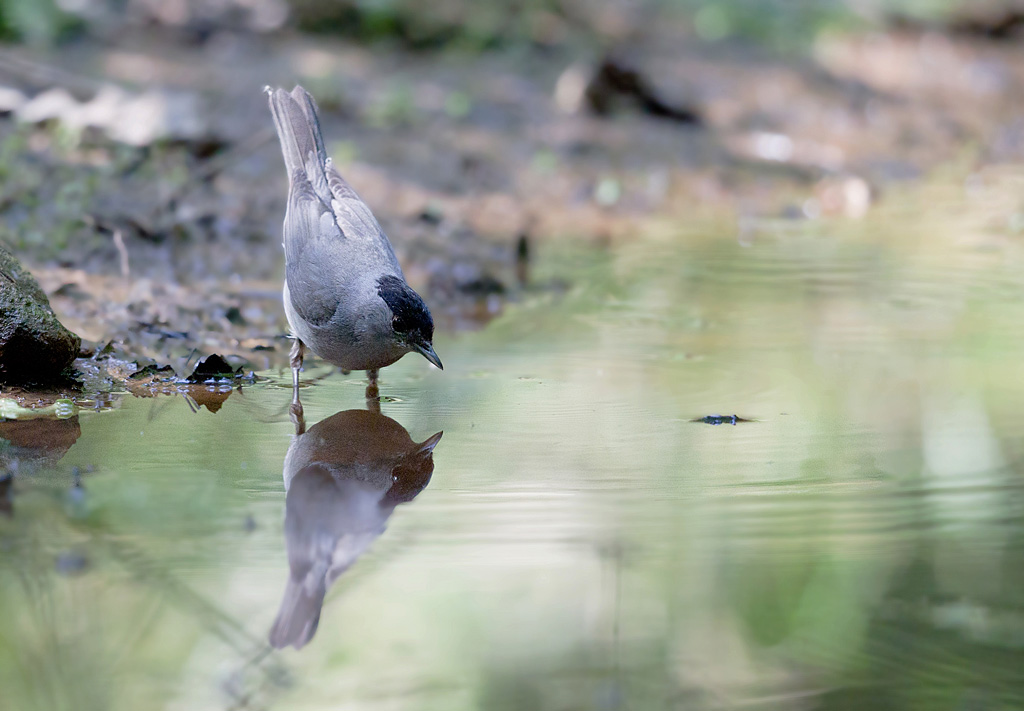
(721,419)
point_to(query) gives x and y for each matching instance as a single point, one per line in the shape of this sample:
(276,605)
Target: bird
(345,295)
(343,479)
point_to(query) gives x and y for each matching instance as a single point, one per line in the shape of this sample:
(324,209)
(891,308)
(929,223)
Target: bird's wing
(314,253)
(353,216)
(311,234)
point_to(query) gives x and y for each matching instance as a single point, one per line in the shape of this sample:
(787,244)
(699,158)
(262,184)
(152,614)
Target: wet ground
(593,529)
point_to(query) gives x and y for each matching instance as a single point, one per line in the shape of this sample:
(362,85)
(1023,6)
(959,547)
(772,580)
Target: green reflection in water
(583,543)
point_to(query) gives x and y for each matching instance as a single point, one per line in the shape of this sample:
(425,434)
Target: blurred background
(729,295)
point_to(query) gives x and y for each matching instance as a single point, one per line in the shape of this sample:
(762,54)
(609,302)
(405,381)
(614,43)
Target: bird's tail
(299,615)
(302,143)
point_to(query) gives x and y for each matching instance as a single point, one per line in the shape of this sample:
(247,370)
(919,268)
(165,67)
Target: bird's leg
(295,410)
(296,407)
(372,392)
(298,350)
(298,417)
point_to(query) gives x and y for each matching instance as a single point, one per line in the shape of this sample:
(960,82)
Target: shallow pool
(586,533)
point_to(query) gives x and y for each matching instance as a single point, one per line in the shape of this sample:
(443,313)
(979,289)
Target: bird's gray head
(410,318)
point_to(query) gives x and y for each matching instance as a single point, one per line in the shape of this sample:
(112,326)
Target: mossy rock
(34,346)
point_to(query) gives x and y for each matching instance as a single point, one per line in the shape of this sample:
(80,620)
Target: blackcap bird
(343,479)
(344,292)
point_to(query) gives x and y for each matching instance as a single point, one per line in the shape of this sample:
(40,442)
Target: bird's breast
(357,337)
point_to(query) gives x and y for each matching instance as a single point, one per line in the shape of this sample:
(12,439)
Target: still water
(574,539)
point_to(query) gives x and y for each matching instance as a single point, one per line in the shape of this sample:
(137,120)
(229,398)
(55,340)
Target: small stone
(213,367)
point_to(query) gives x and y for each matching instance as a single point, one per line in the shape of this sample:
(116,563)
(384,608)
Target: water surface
(575,539)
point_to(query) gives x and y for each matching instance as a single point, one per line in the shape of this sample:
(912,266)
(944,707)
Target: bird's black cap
(410,316)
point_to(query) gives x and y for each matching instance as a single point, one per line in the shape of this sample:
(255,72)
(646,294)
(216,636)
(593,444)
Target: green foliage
(785,25)
(34,21)
(794,24)
(394,107)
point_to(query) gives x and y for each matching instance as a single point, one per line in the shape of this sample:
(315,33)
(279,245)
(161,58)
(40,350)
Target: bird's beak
(427,447)
(427,351)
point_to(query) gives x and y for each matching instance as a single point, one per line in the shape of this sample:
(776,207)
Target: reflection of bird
(343,477)
(344,292)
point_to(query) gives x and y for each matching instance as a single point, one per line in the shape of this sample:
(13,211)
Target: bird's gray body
(335,250)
